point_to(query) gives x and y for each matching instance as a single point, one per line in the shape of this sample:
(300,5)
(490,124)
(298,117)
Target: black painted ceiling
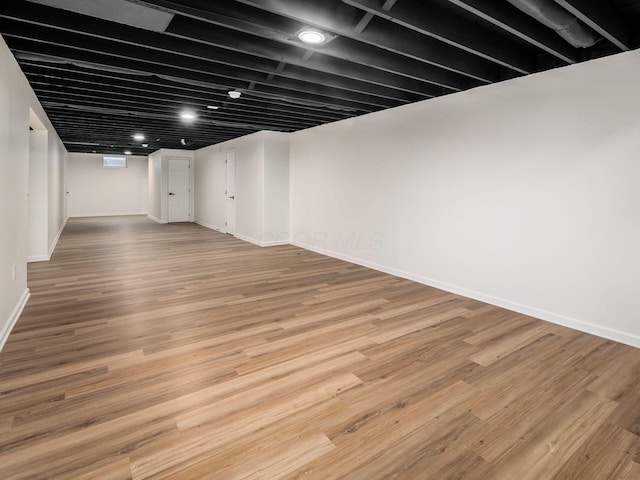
(127,66)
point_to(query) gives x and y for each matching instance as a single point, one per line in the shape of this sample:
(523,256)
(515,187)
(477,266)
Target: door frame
(230,206)
(168,159)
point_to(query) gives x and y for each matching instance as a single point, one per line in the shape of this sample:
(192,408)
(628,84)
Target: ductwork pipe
(557,18)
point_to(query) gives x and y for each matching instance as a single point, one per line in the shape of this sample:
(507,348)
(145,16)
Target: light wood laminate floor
(173,351)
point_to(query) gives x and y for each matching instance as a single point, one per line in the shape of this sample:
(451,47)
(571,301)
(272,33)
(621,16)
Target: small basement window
(114,162)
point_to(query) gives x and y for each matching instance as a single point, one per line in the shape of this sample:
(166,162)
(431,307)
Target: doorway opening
(179,186)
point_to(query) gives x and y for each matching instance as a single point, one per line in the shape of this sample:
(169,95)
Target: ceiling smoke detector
(235,94)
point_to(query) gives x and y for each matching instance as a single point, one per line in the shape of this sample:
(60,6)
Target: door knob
(171,193)
(232,198)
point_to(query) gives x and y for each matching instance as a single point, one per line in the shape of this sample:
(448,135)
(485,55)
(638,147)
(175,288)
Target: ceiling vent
(119,11)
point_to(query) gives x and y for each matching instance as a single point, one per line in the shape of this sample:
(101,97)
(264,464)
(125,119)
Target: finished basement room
(320,239)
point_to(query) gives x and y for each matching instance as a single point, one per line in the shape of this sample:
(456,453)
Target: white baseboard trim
(154,218)
(123,214)
(38,258)
(54,244)
(248,239)
(210,226)
(11,321)
(580,325)
(273,243)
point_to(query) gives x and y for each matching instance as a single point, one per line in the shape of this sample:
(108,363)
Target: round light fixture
(127,152)
(235,94)
(145,145)
(314,37)
(188,116)
(212,107)
(139,137)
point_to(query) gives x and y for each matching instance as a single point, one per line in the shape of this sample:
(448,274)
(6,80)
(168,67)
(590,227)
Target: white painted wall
(38,204)
(97,191)
(158,182)
(57,187)
(210,184)
(17,100)
(276,188)
(155,190)
(250,188)
(523,194)
(262,187)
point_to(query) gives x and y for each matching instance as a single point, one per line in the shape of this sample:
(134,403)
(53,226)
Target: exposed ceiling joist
(138,40)
(392,38)
(165,90)
(388,4)
(345,49)
(161,63)
(189,29)
(451,30)
(363,23)
(368,16)
(511,20)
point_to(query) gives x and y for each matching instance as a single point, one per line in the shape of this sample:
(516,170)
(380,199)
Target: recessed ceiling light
(235,94)
(188,116)
(127,152)
(311,36)
(138,136)
(212,107)
(145,145)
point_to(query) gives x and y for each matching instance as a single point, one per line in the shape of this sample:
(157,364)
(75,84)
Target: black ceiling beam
(390,63)
(199,95)
(388,4)
(363,23)
(368,16)
(451,29)
(245,123)
(187,28)
(42,86)
(100,124)
(96,29)
(342,48)
(96,128)
(88,99)
(521,25)
(600,16)
(106,141)
(149,62)
(395,40)
(388,37)
(151,115)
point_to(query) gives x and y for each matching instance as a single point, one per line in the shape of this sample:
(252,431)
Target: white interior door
(230,222)
(179,190)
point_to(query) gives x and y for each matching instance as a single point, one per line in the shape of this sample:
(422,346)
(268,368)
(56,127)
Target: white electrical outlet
(13,273)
